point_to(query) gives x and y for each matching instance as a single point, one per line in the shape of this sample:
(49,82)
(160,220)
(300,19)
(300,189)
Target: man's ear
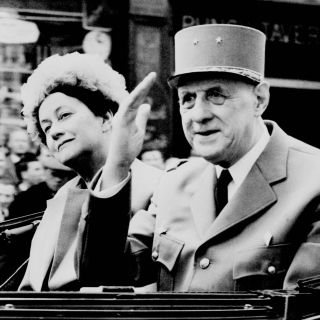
(262,92)
(107,121)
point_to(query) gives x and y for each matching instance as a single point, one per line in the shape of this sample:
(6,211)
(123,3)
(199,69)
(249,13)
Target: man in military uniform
(243,216)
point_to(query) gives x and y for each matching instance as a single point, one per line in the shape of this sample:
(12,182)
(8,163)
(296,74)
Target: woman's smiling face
(72,131)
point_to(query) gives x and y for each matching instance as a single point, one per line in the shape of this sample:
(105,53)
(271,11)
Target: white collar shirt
(241,168)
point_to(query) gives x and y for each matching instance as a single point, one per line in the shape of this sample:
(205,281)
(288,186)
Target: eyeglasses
(213,95)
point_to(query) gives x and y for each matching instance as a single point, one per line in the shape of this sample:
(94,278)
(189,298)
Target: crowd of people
(29,175)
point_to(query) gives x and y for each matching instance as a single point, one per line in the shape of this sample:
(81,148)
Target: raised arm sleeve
(103,254)
(108,255)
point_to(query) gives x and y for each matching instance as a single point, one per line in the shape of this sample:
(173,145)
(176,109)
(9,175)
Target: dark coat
(30,201)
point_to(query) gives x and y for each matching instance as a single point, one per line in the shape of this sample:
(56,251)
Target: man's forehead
(203,84)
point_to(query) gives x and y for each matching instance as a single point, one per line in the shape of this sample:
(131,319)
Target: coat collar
(255,194)
(273,160)
(63,211)
(68,229)
(43,244)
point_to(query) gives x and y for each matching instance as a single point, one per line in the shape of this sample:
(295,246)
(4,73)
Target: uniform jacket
(267,236)
(49,268)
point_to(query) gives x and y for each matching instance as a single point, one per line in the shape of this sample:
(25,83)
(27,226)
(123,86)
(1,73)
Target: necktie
(221,191)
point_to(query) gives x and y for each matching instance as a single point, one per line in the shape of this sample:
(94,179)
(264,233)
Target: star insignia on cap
(219,40)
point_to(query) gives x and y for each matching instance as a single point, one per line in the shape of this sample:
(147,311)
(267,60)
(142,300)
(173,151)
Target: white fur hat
(74,69)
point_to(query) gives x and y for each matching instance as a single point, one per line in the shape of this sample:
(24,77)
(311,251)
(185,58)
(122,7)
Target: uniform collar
(241,168)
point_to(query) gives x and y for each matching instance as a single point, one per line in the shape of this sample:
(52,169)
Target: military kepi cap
(224,48)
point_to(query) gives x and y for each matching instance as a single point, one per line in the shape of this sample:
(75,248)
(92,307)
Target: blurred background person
(18,144)
(30,171)
(7,194)
(3,139)
(53,176)
(6,172)
(3,164)
(153,157)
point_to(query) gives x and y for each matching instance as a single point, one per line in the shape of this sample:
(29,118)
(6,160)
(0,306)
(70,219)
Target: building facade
(136,37)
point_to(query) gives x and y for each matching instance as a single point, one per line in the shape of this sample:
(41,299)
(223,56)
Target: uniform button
(271,269)
(204,263)
(155,255)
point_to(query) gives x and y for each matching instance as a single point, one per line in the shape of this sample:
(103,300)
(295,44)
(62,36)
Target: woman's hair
(83,76)
(94,100)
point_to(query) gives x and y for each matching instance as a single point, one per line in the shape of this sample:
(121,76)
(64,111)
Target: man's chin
(211,157)
(206,151)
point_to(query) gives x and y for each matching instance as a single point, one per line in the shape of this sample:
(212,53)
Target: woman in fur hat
(69,104)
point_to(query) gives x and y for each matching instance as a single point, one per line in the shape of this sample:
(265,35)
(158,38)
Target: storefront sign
(275,31)
(156,8)
(292,31)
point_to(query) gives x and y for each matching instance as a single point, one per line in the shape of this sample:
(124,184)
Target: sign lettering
(297,34)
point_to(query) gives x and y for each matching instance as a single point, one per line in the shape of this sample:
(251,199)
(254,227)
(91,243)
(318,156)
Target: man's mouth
(206,133)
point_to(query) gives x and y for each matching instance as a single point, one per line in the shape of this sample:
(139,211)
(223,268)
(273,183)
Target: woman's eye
(64,115)
(46,129)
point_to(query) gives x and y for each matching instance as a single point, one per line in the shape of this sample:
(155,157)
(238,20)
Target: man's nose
(201,110)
